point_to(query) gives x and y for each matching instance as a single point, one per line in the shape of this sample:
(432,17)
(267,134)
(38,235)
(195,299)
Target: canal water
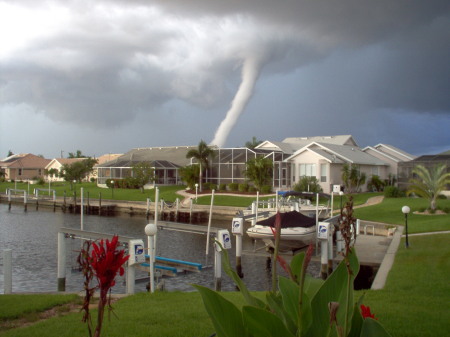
(32,236)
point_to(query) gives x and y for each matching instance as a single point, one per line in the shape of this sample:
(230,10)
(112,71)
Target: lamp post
(196,192)
(112,186)
(406,210)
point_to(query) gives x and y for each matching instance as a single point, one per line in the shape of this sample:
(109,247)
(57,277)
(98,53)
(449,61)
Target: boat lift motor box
(136,251)
(336,188)
(223,236)
(323,230)
(237,226)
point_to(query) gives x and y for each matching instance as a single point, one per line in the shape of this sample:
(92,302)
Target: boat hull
(290,238)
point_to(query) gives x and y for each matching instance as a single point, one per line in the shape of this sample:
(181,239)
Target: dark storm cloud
(109,61)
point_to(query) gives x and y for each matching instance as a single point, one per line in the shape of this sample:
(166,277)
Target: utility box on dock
(136,250)
(323,230)
(237,226)
(223,236)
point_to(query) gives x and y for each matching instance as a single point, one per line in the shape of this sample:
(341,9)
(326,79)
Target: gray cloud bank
(103,63)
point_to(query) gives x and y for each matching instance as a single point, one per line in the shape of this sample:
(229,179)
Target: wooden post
(64,204)
(61,262)
(209,226)
(217,270)
(82,209)
(239,256)
(7,271)
(25,201)
(9,199)
(190,210)
(324,259)
(100,203)
(130,279)
(330,252)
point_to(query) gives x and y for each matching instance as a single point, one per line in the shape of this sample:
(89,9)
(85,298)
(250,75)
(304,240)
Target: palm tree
(352,177)
(202,154)
(253,143)
(429,182)
(259,170)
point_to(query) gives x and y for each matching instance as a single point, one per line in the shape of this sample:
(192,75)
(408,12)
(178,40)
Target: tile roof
(26,160)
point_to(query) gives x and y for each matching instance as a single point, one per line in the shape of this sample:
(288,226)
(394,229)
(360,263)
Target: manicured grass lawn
(144,314)
(390,211)
(13,306)
(416,297)
(168,193)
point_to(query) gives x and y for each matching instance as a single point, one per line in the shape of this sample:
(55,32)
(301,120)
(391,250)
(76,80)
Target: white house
(57,164)
(325,162)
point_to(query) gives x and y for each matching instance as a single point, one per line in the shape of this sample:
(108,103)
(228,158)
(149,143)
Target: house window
(323,173)
(40,172)
(308,170)
(20,172)
(375,171)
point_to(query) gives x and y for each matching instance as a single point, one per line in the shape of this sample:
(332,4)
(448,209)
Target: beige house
(57,164)
(23,167)
(101,160)
(390,154)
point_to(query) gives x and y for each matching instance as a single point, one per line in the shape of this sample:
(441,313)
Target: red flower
(365,311)
(107,261)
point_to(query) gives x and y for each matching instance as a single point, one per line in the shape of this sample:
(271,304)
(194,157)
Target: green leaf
(251,300)
(334,289)
(312,285)
(306,316)
(357,319)
(226,317)
(290,294)
(297,265)
(372,328)
(275,303)
(262,323)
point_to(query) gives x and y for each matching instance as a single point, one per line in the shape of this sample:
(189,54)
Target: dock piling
(61,262)
(7,271)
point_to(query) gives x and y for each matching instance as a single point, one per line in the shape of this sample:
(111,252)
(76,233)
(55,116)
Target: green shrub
(233,187)
(391,192)
(252,189)
(442,197)
(266,189)
(39,180)
(244,187)
(222,187)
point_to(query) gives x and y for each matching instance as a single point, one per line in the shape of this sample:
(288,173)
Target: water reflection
(32,236)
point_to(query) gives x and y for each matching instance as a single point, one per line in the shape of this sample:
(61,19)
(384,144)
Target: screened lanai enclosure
(165,160)
(227,166)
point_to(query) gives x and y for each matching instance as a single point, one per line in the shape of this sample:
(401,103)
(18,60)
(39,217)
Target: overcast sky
(107,76)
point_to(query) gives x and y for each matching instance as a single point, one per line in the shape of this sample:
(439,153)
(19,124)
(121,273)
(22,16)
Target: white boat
(297,231)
